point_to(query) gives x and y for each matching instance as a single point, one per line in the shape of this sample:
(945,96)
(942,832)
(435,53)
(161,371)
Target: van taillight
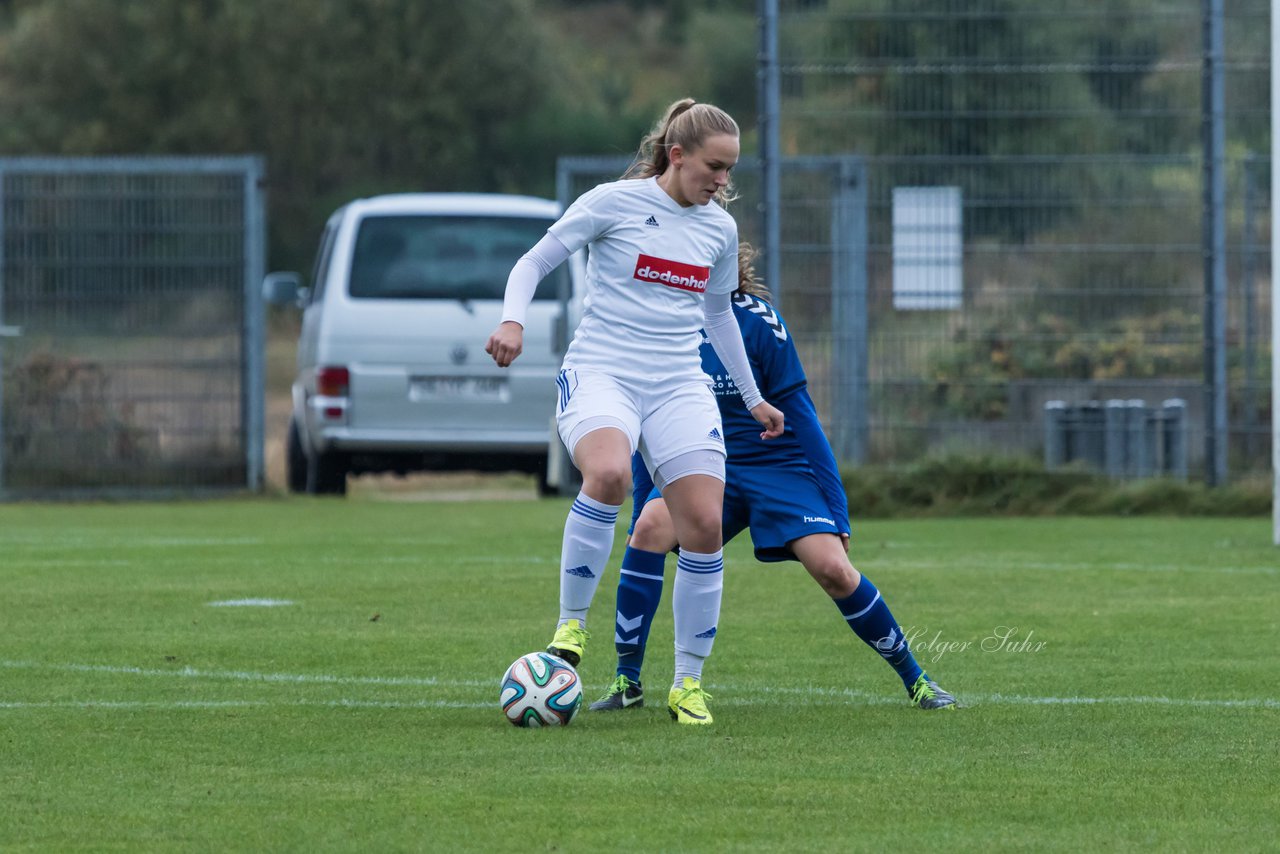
(333,382)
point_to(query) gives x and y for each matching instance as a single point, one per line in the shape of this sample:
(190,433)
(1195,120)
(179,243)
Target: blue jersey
(802,447)
(778,373)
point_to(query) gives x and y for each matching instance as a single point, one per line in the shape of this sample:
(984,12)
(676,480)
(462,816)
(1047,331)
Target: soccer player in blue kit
(787,491)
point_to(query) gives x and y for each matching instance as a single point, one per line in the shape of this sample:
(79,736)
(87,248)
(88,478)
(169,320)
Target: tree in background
(343,98)
(352,98)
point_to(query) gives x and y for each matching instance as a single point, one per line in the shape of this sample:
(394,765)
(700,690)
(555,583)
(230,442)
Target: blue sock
(639,591)
(870,619)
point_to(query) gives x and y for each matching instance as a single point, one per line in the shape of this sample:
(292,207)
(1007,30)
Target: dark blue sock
(870,619)
(639,592)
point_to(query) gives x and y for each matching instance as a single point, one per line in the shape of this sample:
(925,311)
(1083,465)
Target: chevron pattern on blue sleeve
(764,311)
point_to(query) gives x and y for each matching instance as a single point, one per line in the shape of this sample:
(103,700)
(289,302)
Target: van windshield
(445,257)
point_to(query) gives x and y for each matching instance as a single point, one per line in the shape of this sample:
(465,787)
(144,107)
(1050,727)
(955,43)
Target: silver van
(392,374)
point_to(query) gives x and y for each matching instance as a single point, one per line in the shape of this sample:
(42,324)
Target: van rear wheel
(295,460)
(545,489)
(327,474)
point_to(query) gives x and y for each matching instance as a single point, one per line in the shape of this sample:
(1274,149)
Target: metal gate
(823,291)
(131,330)
(1062,206)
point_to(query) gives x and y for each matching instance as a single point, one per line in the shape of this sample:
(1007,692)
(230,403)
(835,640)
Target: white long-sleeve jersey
(651,262)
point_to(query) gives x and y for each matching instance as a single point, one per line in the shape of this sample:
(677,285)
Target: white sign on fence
(928,248)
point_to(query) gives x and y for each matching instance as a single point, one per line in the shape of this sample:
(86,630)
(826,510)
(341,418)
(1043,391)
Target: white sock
(687,665)
(588,542)
(696,609)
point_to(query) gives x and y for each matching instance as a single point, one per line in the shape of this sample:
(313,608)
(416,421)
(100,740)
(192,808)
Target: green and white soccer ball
(540,690)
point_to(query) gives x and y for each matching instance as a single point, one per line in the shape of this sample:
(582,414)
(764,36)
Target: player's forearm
(532,268)
(726,338)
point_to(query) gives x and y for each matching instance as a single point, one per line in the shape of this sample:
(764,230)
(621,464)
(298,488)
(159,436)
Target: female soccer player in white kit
(663,264)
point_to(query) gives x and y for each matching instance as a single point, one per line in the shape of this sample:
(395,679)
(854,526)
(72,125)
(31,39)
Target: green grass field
(1133,705)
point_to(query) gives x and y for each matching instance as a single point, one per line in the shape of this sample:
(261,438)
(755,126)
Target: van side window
(445,257)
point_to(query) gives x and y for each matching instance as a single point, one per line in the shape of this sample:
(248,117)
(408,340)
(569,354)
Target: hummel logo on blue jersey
(709,633)
(652,221)
(764,311)
(715,434)
(583,571)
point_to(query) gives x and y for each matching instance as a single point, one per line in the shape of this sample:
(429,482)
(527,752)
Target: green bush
(971,374)
(1018,486)
(63,426)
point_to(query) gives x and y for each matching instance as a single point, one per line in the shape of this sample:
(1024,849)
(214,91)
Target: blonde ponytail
(748,283)
(685,123)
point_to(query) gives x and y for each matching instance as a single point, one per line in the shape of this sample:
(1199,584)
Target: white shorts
(663,420)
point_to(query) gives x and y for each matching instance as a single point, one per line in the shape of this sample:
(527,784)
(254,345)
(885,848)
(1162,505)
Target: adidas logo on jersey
(583,571)
(652,220)
(715,434)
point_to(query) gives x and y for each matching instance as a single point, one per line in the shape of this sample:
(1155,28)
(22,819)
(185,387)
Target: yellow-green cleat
(569,642)
(926,694)
(688,703)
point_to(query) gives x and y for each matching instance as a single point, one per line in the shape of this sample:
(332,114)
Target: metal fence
(132,361)
(1038,221)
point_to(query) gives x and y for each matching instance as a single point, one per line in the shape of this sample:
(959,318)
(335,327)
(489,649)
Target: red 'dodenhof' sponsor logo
(673,274)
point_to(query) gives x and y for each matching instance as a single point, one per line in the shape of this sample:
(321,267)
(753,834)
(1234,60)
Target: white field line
(1070,566)
(239,560)
(76,542)
(243,675)
(736,695)
(970,699)
(74,563)
(172,705)
(757,700)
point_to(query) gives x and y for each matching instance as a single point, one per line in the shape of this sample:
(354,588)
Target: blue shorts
(779,505)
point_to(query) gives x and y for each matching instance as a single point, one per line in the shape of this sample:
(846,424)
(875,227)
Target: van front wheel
(327,474)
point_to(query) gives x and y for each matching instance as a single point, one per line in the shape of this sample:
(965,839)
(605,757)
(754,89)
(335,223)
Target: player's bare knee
(645,529)
(653,533)
(701,532)
(836,577)
(607,483)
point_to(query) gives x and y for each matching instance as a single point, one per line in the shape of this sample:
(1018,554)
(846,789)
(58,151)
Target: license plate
(458,388)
